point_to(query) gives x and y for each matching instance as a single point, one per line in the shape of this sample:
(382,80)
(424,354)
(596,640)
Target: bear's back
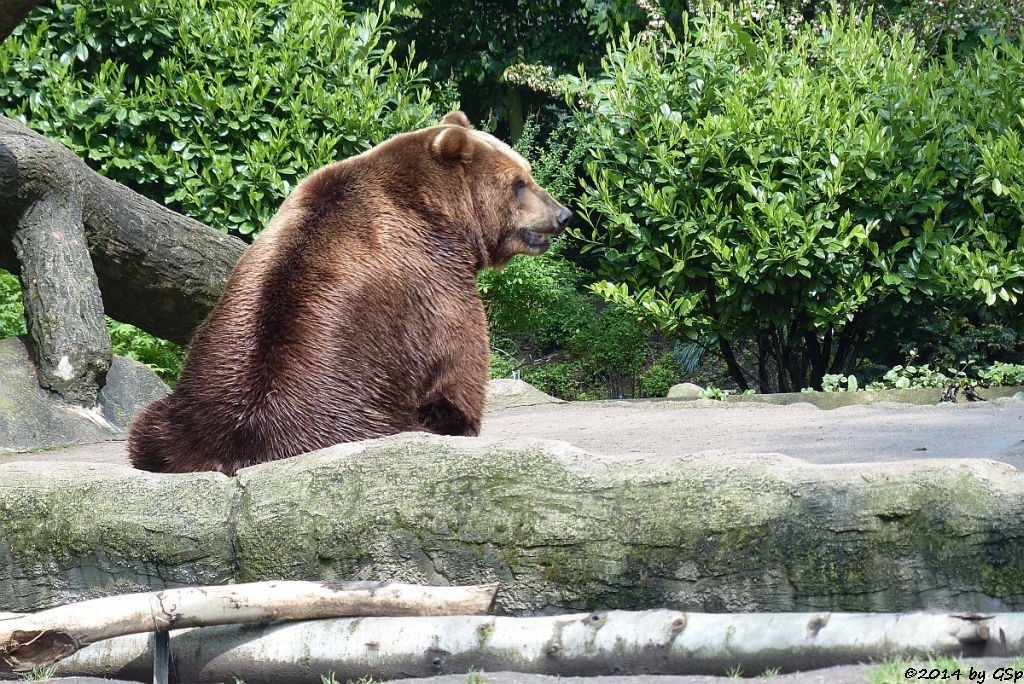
(291,359)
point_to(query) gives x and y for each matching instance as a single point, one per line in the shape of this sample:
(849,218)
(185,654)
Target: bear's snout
(563,218)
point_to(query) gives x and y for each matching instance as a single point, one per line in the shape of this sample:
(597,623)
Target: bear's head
(512,213)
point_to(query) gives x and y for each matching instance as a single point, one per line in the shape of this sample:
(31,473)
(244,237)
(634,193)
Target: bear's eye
(520,186)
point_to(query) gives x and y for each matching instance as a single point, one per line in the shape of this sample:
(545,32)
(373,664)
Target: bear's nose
(563,217)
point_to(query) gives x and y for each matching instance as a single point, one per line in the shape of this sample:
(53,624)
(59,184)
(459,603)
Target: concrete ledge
(830,400)
(561,529)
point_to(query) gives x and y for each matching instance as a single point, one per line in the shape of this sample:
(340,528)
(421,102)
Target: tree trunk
(67,335)
(661,642)
(39,640)
(735,370)
(156,269)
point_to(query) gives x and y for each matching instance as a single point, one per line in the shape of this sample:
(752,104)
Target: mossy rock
(32,418)
(559,528)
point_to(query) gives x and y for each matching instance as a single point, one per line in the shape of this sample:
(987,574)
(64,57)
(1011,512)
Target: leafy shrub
(797,191)
(12,312)
(661,375)
(211,107)
(612,351)
(833,382)
(1002,374)
(560,379)
(165,358)
(714,393)
(935,23)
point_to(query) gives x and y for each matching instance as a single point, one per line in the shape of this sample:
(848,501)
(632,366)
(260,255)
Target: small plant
(895,671)
(41,674)
(1002,374)
(165,358)
(908,377)
(890,672)
(714,393)
(475,676)
(839,383)
(771,672)
(328,679)
(734,672)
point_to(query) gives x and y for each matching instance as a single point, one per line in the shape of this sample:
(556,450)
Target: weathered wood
(43,638)
(67,336)
(12,12)
(590,644)
(156,269)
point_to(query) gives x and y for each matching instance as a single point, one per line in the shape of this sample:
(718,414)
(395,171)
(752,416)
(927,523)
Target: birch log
(38,640)
(587,644)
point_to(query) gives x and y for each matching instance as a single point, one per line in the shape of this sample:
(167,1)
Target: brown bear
(355,314)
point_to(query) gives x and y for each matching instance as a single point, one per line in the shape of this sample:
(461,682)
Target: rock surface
(559,528)
(507,393)
(32,418)
(685,390)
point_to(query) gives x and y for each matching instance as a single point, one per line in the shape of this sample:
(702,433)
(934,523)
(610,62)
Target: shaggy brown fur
(355,314)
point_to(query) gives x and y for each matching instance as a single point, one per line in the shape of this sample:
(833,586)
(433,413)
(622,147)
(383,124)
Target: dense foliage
(214,108)
(805,190)
(792,190)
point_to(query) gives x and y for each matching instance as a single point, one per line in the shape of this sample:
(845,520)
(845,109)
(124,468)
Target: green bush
(796,191)
(165,358)
(561,379)
(12,313)
(1002,374)
(214,108)
(661,375)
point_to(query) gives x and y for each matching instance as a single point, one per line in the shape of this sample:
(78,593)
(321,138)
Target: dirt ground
(856,434)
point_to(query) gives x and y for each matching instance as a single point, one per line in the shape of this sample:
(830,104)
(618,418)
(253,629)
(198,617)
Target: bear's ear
(452,144)
(456,118)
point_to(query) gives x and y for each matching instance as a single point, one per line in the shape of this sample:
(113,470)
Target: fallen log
(589,644)
(41,639)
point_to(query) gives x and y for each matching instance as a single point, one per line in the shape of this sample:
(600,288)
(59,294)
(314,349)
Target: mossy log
(558,528)
(75,238)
